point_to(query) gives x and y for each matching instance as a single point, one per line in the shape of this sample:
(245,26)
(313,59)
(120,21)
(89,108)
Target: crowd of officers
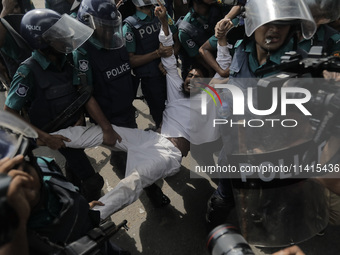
(118,57)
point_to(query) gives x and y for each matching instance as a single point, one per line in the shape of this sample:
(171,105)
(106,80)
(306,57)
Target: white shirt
(182,116)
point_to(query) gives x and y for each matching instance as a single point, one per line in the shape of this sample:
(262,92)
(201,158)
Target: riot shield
(278,200)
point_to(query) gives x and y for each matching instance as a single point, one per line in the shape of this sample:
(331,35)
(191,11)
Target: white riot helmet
(261,12)
(141,3)
(327,10)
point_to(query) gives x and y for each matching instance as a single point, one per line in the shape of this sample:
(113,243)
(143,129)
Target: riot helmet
(42,28)
(141,3)
(324,11)
(104,17)
(259,12)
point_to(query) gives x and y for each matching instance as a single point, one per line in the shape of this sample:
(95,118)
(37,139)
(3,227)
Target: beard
(185,93)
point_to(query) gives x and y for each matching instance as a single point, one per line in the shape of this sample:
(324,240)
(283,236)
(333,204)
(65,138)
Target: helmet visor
(13,135)
(259,12)
(108,34)
(67,34)
(140,3)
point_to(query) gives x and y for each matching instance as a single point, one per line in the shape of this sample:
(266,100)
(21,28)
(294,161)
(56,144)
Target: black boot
(156,196)
(91,187)
(218,210)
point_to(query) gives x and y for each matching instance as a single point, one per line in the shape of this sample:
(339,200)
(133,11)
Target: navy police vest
(199,35)
(113,85)
(146,34)
(54,93)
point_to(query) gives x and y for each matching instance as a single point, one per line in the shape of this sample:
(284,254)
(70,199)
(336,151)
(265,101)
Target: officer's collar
(319,34)
(43,61)
(142,16)
(275,56)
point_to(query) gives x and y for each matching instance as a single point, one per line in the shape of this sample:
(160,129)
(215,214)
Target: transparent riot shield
(268,134)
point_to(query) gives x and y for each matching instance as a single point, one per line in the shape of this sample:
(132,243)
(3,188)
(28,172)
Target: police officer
(209,48)
(108,58)
(11,52)
(197,27)
(324,12)
(46,84)
(114,90)
(141,34)
(269,36)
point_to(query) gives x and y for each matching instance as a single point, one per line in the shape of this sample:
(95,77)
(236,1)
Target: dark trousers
(225,189)
(154,91)
(78,162)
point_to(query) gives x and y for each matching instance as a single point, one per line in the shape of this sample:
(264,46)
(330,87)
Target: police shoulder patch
(83,65)
(22,90)
(190,43)
(336,54)
(129,37)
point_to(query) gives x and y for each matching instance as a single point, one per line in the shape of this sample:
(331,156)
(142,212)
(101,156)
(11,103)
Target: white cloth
(223,58)
(182,116)
(150,157)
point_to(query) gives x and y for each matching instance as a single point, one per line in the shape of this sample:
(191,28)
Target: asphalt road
(178,229)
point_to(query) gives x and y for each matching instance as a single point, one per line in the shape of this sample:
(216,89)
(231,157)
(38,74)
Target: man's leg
(154,91)
(78,163)
(220,204)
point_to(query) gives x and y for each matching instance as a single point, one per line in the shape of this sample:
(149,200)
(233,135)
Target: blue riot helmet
(106,20)
(42,28)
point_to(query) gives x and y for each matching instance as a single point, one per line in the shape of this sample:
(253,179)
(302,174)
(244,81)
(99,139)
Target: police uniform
(325,36)
(141,36)
(11,52)
(45,91)
(194,30)
(113,86)
(244,65)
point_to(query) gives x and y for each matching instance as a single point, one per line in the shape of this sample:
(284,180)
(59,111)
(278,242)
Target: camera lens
(226,240)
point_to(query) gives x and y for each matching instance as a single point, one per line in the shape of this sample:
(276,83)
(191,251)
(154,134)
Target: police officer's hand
(331,75)
(110,137)
(293,250)
(10,7)
(95,203)
(160,12)
(20,191)
(165,51)
(55,142)
(7,164)
(161,68)
(222,27)
(119,4)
